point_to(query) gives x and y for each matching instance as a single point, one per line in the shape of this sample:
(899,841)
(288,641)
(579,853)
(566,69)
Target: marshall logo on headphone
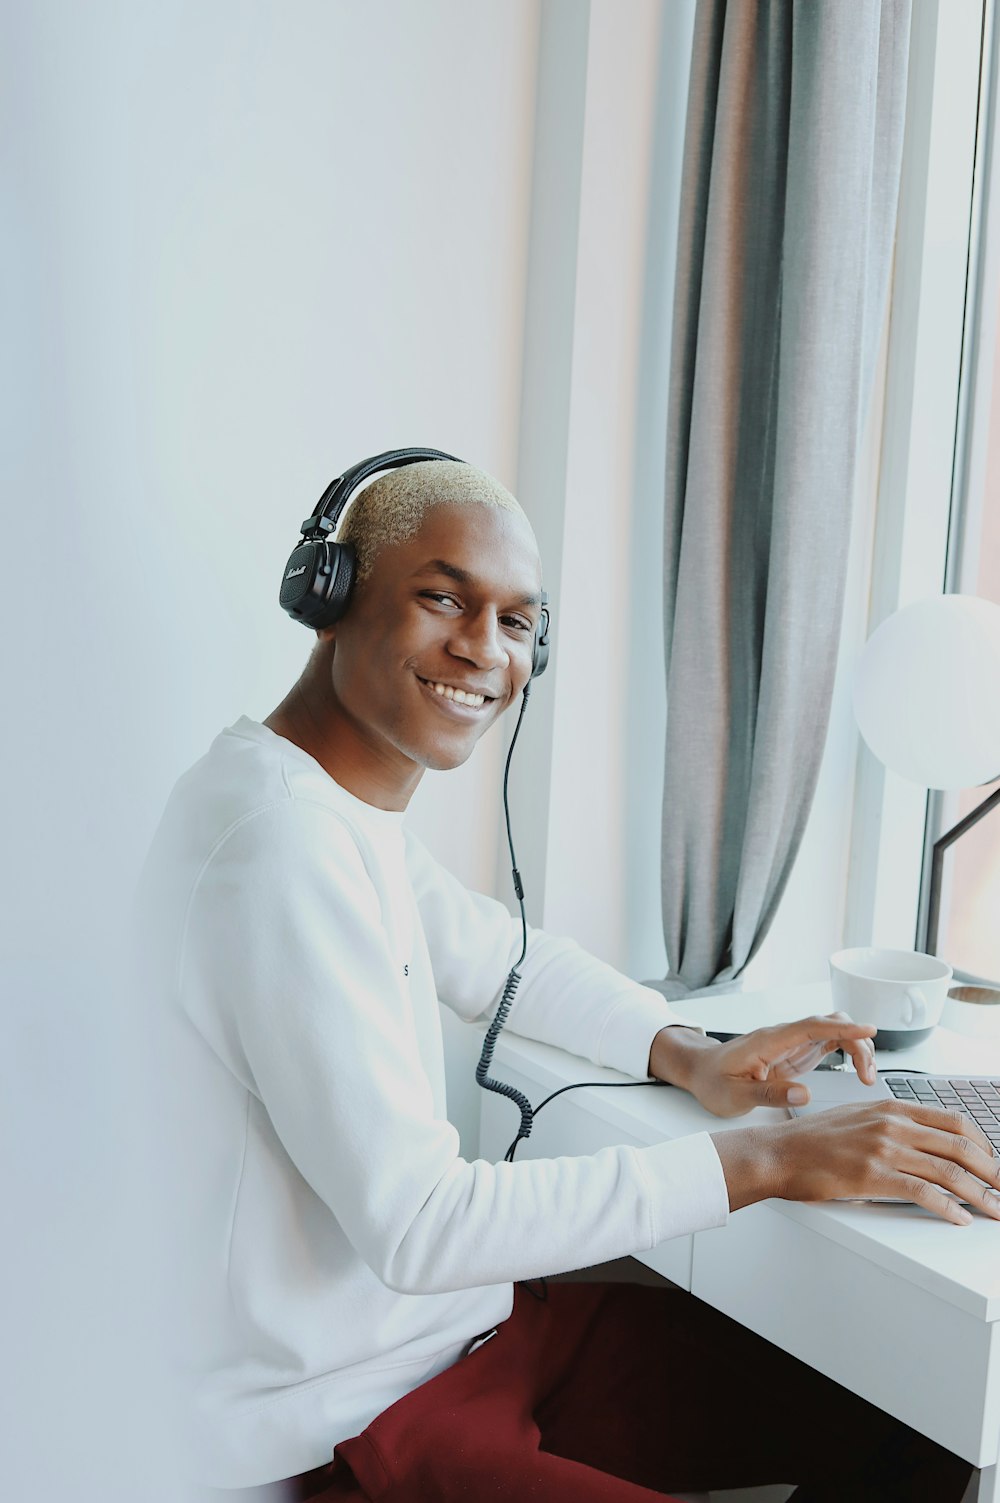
(293,573)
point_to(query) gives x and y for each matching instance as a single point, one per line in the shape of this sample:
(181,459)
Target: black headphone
(319,576)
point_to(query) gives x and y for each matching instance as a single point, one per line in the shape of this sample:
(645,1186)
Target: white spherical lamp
(927,702)
(927,692)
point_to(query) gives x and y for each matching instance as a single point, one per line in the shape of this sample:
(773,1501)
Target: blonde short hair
(391,509)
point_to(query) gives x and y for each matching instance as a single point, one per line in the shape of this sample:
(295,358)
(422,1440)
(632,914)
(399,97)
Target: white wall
(612,98)
(253,244)
(244,245)
(608,690)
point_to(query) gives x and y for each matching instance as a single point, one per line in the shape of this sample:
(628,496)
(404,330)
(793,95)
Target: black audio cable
(514,977)
(528,1112)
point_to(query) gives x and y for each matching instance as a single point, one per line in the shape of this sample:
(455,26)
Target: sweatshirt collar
(254,730)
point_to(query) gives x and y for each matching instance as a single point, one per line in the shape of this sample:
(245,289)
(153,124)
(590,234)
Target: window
(930,530)
(969,932)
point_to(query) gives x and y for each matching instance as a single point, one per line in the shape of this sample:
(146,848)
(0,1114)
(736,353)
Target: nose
(477,639)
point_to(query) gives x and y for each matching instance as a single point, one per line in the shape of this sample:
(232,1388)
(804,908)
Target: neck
(314,721)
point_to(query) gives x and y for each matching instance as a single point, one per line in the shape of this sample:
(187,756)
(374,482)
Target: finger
(954,1125)
(775,1091)
(836,1029)
(951,1176)
(922,1193)
(805,1057)
(862,1053)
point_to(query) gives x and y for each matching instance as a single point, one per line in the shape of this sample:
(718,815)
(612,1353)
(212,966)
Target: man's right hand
(889,1149)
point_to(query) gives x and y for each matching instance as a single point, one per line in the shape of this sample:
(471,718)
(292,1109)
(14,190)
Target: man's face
(446,617)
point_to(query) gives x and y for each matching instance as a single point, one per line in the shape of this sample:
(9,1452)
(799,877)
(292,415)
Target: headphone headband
(334,499)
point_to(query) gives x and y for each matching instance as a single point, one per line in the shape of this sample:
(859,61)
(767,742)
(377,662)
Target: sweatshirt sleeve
(566,997)
(286,971)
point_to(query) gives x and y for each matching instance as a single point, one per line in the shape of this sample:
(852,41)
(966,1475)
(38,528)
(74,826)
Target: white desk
(887,1300)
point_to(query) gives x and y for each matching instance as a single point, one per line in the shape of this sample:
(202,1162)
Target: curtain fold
(788,207)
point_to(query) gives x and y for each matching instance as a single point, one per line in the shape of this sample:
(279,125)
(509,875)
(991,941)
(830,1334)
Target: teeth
(476,701)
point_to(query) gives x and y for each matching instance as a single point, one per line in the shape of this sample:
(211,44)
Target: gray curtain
(788,209)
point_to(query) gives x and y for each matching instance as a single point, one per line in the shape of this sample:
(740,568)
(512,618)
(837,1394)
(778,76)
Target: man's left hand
(759,1068)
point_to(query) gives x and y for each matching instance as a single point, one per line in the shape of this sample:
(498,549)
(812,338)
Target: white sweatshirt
(339,1251)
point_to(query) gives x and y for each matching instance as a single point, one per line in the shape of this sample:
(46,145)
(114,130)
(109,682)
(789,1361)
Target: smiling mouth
(451,695)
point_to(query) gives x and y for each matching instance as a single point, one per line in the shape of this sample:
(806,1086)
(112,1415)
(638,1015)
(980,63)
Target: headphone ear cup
(342,565)
(540,652)
(317,583)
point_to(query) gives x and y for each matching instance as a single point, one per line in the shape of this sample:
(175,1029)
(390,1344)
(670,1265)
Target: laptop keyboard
(979,1098)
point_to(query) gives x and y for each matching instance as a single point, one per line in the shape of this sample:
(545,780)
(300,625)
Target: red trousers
(623,1394)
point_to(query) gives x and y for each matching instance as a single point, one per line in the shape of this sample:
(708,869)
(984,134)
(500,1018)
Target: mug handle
(914,1008)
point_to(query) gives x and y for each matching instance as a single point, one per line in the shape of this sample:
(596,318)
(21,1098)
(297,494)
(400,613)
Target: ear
(322,651)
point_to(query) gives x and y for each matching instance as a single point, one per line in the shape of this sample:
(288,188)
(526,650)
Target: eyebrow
(463,577)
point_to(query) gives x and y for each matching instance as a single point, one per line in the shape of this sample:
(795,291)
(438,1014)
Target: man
(348,1269)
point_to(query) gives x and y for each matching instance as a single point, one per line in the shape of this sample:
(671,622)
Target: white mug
(901,992)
